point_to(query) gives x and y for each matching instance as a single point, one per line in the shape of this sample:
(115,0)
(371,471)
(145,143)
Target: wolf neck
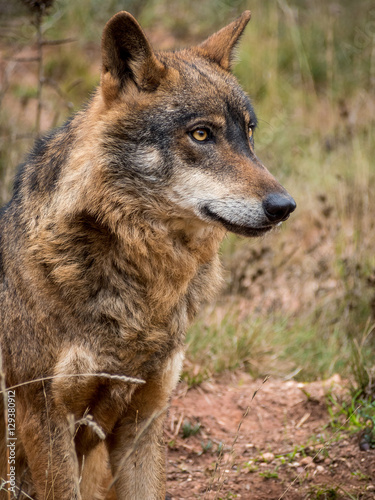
(171,262)
(139,261)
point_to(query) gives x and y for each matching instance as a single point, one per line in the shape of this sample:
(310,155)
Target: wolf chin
(109,246)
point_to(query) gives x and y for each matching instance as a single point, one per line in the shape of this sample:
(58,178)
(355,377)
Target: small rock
(268,456)
(294,464)
(307,461)
(319,469)
(370,487)
(300,470)
(327,461)
(364,446)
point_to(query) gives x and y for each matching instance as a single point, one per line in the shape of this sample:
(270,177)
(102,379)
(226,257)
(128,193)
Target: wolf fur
(109,246)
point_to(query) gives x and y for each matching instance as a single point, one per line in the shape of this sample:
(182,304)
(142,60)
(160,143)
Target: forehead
(203,88)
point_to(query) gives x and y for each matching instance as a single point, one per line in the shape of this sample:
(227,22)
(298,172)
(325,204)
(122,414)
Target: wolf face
(192,136)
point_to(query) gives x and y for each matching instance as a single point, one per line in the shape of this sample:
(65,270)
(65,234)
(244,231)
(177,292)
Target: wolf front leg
(50,455)
(137,457)
(136,447)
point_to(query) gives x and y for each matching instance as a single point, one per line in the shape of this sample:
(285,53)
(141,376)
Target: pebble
(370,487)
(307,461)
(320,469)
(294,464)
(268,456)
(364,446)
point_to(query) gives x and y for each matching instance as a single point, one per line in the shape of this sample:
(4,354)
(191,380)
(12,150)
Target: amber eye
(200,134)
(250,133)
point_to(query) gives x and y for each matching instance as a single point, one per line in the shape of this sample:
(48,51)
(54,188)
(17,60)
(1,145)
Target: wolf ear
(219,47)
(127,55)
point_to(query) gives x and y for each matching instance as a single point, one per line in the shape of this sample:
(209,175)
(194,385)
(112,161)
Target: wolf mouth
(236,228)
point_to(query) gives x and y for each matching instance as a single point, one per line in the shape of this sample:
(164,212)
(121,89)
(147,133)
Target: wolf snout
(278,207)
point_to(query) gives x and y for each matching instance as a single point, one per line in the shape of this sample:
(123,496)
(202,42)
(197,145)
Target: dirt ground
(236,437)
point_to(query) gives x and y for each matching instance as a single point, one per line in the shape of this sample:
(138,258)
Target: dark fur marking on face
(192,66)
(228,99)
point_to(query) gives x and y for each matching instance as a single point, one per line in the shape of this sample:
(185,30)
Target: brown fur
(109,247)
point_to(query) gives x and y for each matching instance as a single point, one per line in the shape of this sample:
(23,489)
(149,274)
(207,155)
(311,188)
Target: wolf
(109,246)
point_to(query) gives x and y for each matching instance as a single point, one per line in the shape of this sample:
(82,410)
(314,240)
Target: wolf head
(182,127)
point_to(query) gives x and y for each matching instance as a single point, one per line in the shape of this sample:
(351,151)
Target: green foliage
(251,467)
(273,344)
(360,476)
(329,493)
(357,416)
(190,429)
(206,447)
(323,493)
(209,340)
(267,474)
(24,92)
(195,378)
(228,496)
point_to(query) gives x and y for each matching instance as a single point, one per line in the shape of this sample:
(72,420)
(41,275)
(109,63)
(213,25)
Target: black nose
(278,207)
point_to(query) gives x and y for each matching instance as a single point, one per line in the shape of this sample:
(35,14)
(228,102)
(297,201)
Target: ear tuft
(219,46)
(127,55)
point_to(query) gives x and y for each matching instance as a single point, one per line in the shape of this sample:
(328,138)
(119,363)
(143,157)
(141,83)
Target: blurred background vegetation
(300,302)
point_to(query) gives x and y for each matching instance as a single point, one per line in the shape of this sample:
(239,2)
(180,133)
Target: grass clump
(190,429)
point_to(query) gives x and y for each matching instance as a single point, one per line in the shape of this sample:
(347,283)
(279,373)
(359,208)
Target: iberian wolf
(109,246)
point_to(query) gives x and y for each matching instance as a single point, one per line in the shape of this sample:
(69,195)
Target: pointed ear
(127,55)
(219,47)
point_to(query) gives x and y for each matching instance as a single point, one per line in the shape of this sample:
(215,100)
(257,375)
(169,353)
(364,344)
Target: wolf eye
(250,133)
(200,134)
